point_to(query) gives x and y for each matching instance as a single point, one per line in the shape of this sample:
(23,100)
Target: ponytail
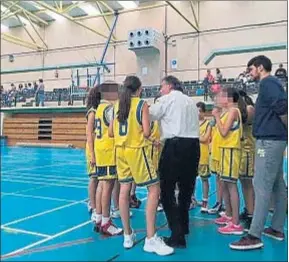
(131,85)
(243,109)
(124,105)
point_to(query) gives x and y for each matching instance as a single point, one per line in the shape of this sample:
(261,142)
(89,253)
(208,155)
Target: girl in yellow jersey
(230,128)
(247,163)
(130,129)
(215,165)
(93,101)
(105,169)
(204,172)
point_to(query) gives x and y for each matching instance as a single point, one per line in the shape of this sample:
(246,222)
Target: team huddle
(123,148)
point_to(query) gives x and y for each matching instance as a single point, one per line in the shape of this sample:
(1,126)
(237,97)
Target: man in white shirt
(179,124)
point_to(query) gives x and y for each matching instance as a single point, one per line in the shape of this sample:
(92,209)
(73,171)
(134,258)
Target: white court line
(46,239)
(40,183)
(16,230)
(42,213)
(36,167)
(82,179)
(28,177)
(29,189)
(38,197)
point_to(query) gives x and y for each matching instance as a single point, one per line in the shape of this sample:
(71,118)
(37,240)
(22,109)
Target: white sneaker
(204,209)
(116,214)
(89,208)
(129,240)
(160,208)
(158,246)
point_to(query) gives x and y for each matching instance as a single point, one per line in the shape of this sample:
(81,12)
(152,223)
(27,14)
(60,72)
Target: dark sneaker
(247,223)
(244,214)
(134,202)
(215,209)
(270,232)
(247,243)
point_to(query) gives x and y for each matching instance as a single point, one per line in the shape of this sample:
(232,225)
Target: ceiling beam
(35,17)
(32,25)
(56,5)
(105,20)
(18,41)
(70,19)
(182,15)
(8,9)
(20,21)
(142,8)
(194,14)
(4,17)
(106,6)
(70,7)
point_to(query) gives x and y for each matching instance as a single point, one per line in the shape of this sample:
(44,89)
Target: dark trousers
(178,165)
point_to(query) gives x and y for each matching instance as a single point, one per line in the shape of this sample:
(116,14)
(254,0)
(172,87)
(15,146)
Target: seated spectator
(281,72)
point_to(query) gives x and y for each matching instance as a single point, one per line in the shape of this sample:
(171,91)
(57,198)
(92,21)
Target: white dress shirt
(177,115)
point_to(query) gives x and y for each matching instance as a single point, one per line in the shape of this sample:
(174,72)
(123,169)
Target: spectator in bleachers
(208,80)
(219,76)
(281,72)
(40,93)
(2,89)
(35,86)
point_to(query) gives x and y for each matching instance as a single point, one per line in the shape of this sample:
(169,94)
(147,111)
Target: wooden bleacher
(45,126)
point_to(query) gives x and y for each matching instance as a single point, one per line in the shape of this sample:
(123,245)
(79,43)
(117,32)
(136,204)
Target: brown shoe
(270,232)
(247,243)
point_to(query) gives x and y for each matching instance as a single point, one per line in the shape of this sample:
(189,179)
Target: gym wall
(235,24)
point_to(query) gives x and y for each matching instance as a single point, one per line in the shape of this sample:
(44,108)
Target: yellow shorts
(247,165)
(106,172)
(204,172)
(105,157)
(230,164)
(215,166)
(154,154)
(91,171)
(134,164)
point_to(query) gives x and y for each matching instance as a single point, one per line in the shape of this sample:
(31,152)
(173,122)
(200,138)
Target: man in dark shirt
(281,72)
(270,131)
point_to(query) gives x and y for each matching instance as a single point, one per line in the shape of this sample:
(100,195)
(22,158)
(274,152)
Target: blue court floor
(44,217)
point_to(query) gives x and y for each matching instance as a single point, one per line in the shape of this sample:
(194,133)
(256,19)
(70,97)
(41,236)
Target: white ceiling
(34,9)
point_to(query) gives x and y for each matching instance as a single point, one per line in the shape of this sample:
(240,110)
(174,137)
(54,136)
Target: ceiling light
(55,16)
(128,4)
(89,9)
(23,20)
(4,28)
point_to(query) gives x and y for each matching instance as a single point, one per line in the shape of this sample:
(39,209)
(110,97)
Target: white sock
(98,218)
(104,220)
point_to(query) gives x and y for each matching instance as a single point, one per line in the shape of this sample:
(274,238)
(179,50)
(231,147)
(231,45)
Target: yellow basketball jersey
(204,147)
(155,131)
(215,144)
(248,143)
(130,132)
(234,136)
(103,144)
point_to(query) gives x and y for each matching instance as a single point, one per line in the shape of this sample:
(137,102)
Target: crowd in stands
(207,87)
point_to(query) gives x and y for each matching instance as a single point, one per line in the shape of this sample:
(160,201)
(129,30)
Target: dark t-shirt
(281,72)
(270,105)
